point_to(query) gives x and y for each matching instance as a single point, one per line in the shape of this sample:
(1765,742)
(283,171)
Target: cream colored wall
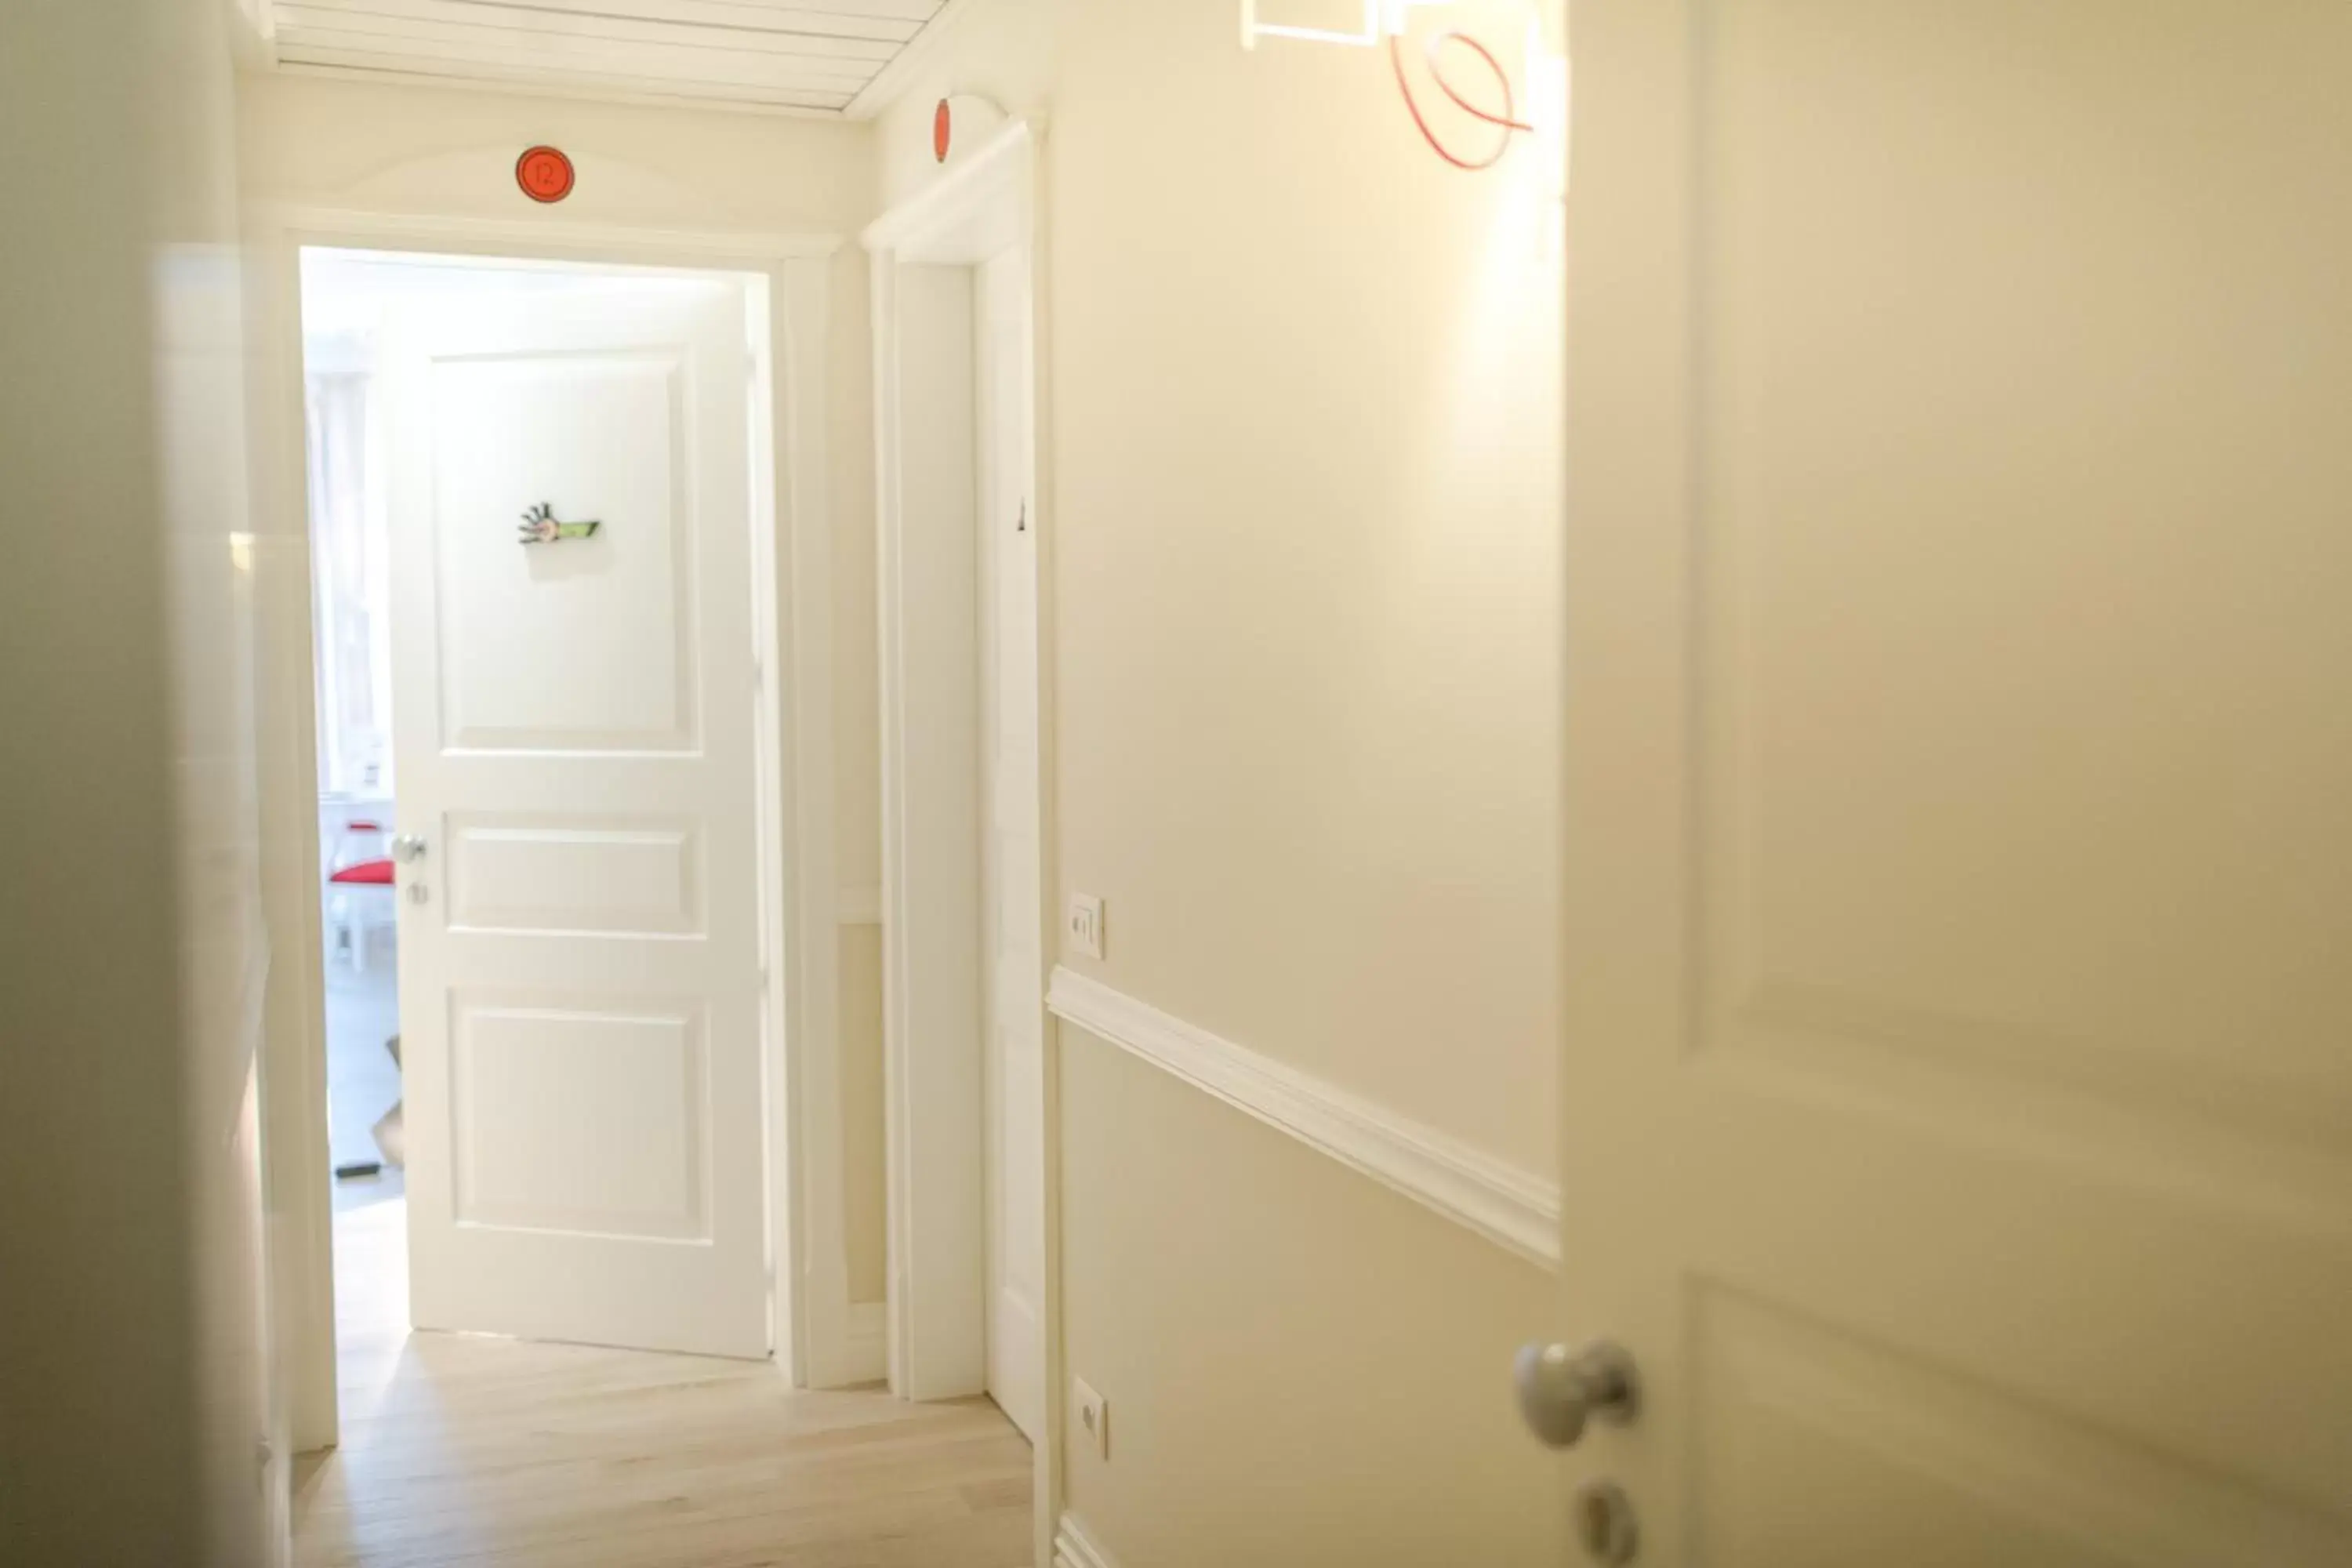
(1302,1367)
(200,372)
(1307,426)
(1306,480)
(1304,496)
(333,144)
(135,1423)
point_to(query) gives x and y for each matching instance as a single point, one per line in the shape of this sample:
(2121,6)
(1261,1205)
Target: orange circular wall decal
(544,173)
(942,130)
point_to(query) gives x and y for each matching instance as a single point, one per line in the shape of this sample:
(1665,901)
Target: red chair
(360,888)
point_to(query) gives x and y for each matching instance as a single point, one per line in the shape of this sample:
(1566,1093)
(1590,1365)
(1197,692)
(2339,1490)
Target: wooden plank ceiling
(808,55)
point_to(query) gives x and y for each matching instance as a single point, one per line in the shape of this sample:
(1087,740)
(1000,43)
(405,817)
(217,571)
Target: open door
(575,740)
(1957,1135)
(1012,924)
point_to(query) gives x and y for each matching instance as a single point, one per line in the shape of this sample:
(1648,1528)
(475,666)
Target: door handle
(1563,1387)
(407,848)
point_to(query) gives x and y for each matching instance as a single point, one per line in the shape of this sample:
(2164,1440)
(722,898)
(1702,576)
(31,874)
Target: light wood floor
(497,1454)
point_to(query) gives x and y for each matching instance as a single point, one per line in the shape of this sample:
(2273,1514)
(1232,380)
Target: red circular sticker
(544,173)
(941,130)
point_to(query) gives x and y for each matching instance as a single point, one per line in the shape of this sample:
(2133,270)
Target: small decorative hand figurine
(540,527)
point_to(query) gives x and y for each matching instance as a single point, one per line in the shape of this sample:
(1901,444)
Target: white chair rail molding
(1516,1209)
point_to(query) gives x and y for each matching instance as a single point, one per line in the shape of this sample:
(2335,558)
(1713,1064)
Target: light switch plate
(1090,1415)
(1085,924)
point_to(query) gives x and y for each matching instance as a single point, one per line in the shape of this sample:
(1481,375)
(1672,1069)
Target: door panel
(1959,1127)
(622,1155)
(603,662)
(1806,1424)
(580,979)
(639,875)
(1015,1087)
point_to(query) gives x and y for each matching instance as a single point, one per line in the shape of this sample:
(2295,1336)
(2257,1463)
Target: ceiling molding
(893,78)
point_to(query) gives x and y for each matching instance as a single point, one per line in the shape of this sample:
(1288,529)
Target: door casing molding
(985,205)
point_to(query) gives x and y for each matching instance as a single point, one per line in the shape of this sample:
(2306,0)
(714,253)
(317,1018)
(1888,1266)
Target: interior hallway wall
(1304,496)
(136,1424)
(449,152)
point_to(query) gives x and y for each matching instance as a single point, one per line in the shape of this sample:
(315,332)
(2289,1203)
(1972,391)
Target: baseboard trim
(1074,1548)
(1513,1208)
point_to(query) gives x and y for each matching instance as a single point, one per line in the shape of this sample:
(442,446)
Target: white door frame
(984,205)
(801,901)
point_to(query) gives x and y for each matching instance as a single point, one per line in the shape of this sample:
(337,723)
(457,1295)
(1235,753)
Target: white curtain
(350,596)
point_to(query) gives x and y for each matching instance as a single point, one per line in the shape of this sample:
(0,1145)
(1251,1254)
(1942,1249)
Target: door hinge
(1022,526)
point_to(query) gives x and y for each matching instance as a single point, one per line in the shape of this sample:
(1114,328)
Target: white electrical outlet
(1091,1413)
(1085,924)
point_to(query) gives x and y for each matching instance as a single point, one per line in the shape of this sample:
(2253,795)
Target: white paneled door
(1013,1079)
(580,971)
(1958,1100)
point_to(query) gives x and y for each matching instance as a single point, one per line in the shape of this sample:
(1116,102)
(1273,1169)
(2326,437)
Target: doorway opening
(593,500)
(536,494)
(351,664)
(966,871)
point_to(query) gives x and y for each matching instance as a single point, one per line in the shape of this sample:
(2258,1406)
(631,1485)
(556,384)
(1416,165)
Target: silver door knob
(1561,1387)
(407,848)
